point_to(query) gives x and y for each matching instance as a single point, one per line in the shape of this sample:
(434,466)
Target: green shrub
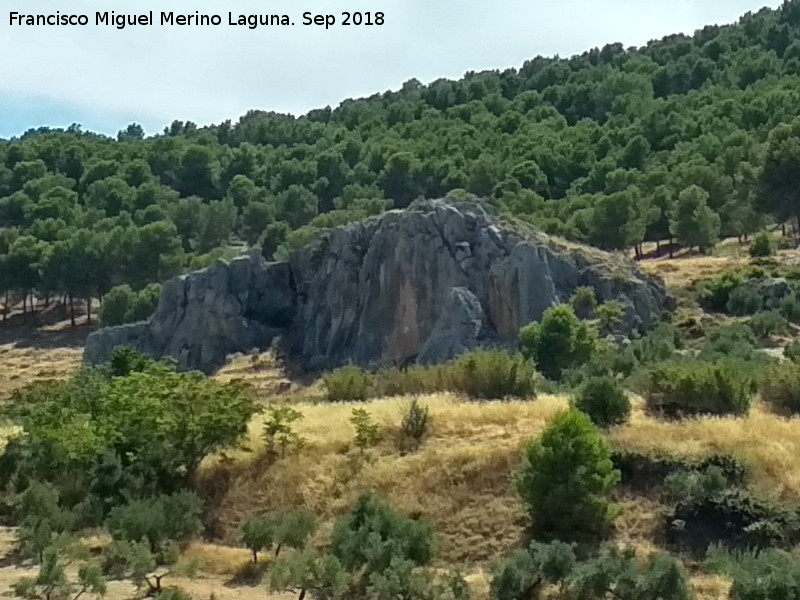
(768,323)
(157,520)
(367,433)
(792,352)
(697,388)
(371,534)
(756,574)
(609,316)
(559,342)
(762,245)
(790,308)
(124,305)
(527,572)
(279,429)
(494,375)
(622,575)
(415,424)
(291,528)
(604,401)
(584,303)
(491,374)
(715,293)
(744,300)
(780,388)
(347,384)
(566,478)
(786,243)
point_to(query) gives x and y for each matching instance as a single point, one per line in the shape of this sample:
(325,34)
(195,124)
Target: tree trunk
(24,303)
(71,310)
(5,307)
(89,310)
(278,550)
(302,594)
(658,247)
(255,557)
(671,248)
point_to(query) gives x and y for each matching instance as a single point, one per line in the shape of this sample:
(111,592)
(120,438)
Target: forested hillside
(691,137)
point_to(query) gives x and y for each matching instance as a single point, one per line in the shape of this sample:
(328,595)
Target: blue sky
(104,78)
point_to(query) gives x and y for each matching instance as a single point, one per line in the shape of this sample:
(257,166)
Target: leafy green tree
(693,222)
(367,432)
(257,216)
(297,206)
(371,534)
(529,571)
(604,401)
(559,342)
(273,237)
(53,582)
(566,479)
(166,518)
(279,429)
(320,575)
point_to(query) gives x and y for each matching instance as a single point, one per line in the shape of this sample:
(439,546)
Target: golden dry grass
(461,478)
(21,366)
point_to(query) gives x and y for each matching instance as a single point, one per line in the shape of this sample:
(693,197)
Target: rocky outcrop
(427,282)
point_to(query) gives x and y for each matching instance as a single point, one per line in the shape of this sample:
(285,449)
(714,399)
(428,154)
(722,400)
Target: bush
(744,300)
(367,432)
(290,528)
(780,388)
(756,574)
(166,518)
(415,423)
(371,534)
(123,305)
(604,401)
(790,308)
(792,352)
(566,479)
(494,375)
(559,342)
(279,429)
(715,293)
(697,388)
(769,323)
(347,384)
(584,303)
(527,572)
(609,316)
(762,245)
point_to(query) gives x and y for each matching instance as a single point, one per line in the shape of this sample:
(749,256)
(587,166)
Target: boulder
(404,285)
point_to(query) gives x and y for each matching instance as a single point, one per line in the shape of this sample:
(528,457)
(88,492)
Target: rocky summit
(422,284)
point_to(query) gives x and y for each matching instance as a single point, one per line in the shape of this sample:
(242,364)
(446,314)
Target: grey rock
(459,328)
(381,292)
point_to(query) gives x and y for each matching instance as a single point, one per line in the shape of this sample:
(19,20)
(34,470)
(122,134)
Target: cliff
(421,284)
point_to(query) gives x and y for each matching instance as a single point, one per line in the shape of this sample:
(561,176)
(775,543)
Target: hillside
(528,335)
(601,147)
(461,476)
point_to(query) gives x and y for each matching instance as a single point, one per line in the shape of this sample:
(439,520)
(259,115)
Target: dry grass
(21,366)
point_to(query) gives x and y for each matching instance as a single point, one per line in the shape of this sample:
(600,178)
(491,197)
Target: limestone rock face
(425,283)
(461,326)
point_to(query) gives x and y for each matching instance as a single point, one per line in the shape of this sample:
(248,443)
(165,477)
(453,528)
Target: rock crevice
(428,282)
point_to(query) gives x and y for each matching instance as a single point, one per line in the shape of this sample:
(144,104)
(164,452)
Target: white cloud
(211,74)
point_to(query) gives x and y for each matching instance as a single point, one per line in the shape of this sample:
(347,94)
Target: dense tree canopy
(599,147)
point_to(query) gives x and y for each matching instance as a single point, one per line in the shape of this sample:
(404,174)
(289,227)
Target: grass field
(461,477)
